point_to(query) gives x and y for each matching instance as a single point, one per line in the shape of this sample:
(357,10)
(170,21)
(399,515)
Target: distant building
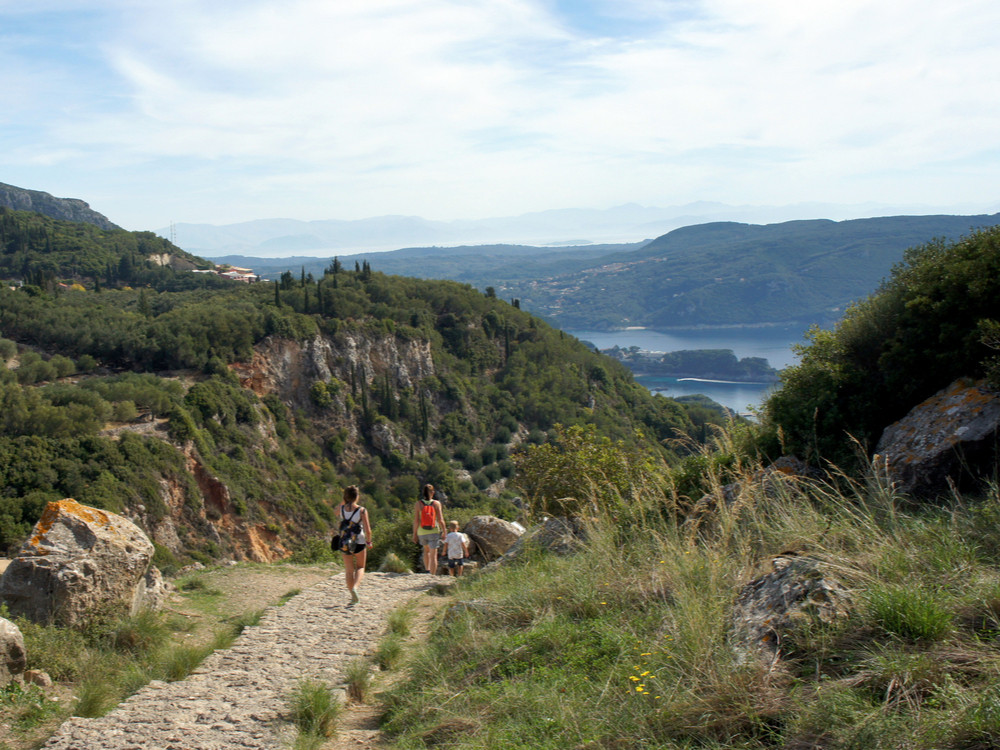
(247,277)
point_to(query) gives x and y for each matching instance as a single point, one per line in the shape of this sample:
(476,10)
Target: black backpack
(346,539)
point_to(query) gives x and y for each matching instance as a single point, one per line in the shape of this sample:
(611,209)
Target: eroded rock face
(798,590)
(492,536)
(943,441)
(289,368)
(79,560)
(13,658)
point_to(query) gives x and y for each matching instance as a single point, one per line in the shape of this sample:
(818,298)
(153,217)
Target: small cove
(772,343)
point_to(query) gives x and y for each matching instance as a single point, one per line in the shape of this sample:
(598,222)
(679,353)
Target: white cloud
(448,108)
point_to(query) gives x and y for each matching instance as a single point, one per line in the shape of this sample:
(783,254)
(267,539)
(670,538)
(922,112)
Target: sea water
(775,344)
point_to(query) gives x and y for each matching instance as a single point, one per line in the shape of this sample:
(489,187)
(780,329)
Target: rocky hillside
(64,209)
(225,417)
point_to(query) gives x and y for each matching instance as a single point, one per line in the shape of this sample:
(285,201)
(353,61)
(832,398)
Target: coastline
(716,327)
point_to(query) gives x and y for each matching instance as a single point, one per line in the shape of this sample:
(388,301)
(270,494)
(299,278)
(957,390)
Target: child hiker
(457,545)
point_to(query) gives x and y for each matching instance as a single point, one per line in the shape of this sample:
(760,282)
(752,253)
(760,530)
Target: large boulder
(948,440)
(79,560)
(13,658)
(492,536)
(798,591)
(558,536)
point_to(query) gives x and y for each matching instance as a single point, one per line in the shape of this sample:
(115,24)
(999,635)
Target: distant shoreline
(706,327)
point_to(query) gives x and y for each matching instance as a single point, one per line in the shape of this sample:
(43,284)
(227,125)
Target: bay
(773,343)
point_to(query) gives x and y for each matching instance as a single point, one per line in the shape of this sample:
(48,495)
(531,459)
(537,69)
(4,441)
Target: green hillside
(40,251)
(725,274)
(717,274)
(636,639)
(235,412)
(112,389)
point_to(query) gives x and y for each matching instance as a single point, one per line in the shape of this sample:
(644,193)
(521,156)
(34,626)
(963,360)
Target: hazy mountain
(715,274)
(273,238)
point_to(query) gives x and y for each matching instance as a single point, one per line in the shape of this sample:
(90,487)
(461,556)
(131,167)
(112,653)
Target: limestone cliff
(65,209)
(288,370)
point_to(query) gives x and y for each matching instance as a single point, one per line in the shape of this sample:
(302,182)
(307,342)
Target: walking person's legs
(354,571)
(430,559)
(360,559)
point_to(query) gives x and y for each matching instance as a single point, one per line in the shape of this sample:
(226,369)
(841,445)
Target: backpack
(428,518)
(350,530)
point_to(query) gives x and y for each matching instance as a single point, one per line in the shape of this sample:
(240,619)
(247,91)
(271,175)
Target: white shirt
(455,540)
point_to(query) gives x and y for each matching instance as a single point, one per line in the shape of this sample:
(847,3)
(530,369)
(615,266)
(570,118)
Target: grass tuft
(358,677)
(393,563)
(314,710)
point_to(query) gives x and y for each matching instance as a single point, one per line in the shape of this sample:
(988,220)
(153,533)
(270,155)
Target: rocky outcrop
(946,441)
(492,536)
(799,591)
(289,368)
(170,260)
(65,209)
(13,658)
(79,560)
(560,536)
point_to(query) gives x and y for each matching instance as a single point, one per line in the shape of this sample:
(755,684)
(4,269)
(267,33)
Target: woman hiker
(355,539)
(428,527)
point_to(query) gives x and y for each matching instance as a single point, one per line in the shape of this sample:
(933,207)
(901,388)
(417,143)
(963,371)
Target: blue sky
(219,112)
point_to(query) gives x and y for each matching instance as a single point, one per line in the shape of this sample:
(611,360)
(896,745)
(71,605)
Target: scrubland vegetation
(627,642)
(142,342)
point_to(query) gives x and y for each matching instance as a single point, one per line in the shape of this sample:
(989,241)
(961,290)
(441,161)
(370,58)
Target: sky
(220,111)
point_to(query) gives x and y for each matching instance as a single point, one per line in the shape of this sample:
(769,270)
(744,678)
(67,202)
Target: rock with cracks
(492,536)
(944,442)
(799,591)
(13,658)
(560,536)
(79,560)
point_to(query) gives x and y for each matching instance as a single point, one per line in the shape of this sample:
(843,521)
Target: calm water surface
(773,344)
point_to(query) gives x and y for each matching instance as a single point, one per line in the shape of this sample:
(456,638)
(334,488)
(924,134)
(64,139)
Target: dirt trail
(238,697)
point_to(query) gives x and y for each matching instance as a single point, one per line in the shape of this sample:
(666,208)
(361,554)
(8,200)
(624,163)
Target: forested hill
(67,209)
(738,274)
(39,250)
(709,274)
(225,417)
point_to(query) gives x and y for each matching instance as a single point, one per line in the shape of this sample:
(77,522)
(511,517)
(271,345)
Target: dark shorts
(456,562)
(354,548)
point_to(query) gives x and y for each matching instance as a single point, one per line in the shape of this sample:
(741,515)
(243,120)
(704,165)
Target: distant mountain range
(716,274)
(282,238)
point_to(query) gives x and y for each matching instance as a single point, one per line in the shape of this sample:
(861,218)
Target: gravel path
(237,698)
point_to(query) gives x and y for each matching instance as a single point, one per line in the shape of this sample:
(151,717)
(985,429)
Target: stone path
(237,698)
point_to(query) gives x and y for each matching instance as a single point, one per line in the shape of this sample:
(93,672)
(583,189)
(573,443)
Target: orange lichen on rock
(66,507)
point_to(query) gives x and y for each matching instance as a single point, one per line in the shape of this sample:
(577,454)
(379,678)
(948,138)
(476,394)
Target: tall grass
(626,643)
(315,711)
